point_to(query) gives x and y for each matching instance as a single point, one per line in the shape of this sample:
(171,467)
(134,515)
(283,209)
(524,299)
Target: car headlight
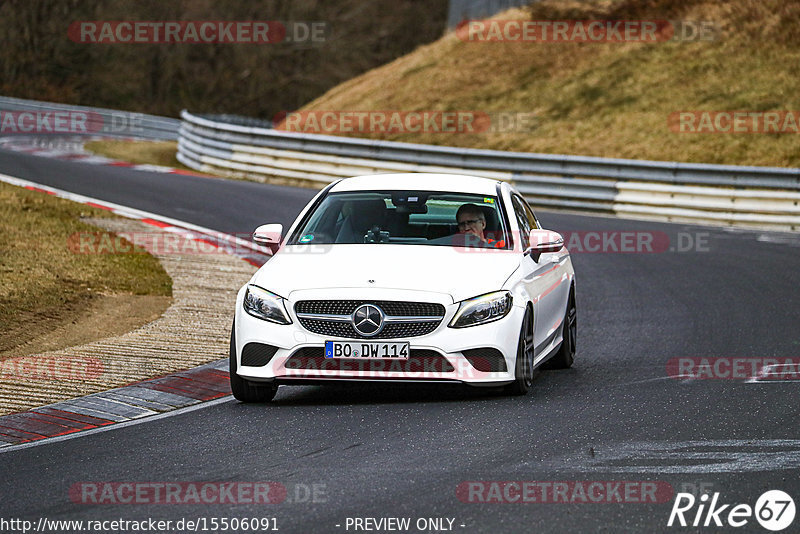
(483,309)
(262,304)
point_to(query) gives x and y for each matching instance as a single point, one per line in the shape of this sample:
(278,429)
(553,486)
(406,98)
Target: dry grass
(608,99)
(138,152)
(44,285)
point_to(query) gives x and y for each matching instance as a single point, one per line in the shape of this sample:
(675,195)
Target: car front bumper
(438,356)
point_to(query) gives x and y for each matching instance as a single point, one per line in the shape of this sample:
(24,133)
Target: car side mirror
(268,235)
(544,241)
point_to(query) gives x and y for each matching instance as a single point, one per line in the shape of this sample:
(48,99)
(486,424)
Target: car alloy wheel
(524,362)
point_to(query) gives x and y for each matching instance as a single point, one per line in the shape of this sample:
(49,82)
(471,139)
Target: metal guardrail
(721,194)
(237,119)
(98,121)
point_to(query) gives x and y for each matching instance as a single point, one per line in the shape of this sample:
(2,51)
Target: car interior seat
(364,214)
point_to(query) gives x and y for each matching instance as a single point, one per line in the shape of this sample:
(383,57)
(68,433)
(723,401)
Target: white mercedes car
(406,277)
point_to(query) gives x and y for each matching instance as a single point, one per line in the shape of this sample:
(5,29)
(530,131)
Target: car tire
(565,356)
(523,373)
(244,390)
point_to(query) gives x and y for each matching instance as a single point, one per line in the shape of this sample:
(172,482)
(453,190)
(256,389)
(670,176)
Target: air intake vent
(257,354)
(487,360)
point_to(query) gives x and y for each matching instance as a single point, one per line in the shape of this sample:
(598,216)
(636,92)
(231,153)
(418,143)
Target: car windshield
(404,218)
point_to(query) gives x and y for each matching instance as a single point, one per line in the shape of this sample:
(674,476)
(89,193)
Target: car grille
(419,361)
(426,318)
(389,307)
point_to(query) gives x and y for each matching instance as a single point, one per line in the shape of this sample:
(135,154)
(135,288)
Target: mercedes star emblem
(368,320)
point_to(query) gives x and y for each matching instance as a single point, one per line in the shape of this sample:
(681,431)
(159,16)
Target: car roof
(419,181)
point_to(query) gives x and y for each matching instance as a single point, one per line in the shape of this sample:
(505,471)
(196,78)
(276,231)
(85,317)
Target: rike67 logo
(774,511)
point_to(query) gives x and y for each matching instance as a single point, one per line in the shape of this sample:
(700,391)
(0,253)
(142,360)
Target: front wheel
(244,390)
(523,373)
(565,356)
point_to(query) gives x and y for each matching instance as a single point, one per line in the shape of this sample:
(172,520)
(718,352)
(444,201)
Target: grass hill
(605,99)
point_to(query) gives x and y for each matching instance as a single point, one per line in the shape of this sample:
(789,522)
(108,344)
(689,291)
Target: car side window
(522,218)
(532,222)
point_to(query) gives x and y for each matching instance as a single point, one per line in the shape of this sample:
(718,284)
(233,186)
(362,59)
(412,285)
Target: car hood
(457,272)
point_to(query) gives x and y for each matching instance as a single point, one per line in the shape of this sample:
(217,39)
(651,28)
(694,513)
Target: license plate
(357,349)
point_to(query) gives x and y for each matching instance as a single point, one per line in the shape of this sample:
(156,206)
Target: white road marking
(763,375)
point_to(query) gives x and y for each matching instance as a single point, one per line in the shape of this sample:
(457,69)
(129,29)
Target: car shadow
(382,393)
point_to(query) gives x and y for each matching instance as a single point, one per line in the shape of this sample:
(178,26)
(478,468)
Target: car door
(543,279)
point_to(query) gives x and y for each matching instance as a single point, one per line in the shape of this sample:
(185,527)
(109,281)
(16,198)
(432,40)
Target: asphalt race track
(402,451)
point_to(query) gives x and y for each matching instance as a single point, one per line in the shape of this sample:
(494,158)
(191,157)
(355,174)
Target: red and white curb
(248,251)
(72,149)
(142,399)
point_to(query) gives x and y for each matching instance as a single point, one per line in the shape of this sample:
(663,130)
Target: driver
(472,221)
